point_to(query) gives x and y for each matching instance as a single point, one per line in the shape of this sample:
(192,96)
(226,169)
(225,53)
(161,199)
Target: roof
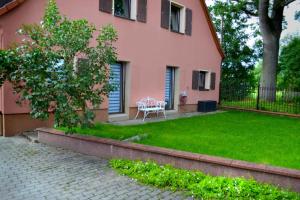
(212,28)
(7,5)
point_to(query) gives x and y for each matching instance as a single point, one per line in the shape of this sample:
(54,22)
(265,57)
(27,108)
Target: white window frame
(133,9)
(207,78)
(182,15)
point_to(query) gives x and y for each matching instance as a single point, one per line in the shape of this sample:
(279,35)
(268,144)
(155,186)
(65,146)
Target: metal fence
(261,98)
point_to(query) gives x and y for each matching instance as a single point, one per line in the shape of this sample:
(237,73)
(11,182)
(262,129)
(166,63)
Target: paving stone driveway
(30,171)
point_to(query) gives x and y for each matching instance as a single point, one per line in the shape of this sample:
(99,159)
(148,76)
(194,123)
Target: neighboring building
(165,48)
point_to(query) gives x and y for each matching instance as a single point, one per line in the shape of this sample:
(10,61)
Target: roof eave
(212,29)
(9,6)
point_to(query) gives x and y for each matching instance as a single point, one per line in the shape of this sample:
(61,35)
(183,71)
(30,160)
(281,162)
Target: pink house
(166,49)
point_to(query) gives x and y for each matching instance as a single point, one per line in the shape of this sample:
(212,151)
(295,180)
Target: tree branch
(264,19)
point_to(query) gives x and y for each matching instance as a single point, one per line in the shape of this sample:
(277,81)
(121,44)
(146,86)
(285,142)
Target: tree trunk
(271,28)
(269,69)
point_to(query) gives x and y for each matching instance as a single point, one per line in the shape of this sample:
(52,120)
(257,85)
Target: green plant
(289,63)
(198,184)
(59,71)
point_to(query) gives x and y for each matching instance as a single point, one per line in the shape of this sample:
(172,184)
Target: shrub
(197,184)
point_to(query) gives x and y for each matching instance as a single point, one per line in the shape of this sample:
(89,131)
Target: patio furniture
(150,105)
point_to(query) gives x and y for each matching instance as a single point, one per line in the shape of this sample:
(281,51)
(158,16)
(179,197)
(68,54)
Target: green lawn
(253,137)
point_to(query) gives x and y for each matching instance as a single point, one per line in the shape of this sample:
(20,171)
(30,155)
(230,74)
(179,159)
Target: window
(175,18)
(127,9)
(203,80)
(122,8)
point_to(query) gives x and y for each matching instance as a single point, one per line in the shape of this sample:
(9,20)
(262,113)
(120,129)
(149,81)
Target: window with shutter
(188,23)
(202,80)
(165,14)
(105,6)
(175,18)
(213,81)
(122,8)
(142,11)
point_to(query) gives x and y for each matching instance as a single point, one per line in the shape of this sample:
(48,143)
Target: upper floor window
(122,8)
(176,17)
(127,9)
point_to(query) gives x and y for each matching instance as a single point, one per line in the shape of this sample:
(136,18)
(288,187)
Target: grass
(247,136)
(198,184)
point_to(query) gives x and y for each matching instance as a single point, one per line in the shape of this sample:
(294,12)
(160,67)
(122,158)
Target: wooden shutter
(105,6)
(195,80)
(188,21)
(142,11)
(165,14)
(213,81)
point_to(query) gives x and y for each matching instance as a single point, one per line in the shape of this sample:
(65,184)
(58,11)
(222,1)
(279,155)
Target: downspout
(2,113)
(2,87)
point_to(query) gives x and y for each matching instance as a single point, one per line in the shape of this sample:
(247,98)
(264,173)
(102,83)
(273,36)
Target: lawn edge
(109,148)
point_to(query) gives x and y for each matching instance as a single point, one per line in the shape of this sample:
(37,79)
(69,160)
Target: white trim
(207,78)
(133,11)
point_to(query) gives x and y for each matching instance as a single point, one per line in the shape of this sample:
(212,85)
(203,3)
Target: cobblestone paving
(30,171)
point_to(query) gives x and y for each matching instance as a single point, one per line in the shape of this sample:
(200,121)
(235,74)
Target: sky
(289,13)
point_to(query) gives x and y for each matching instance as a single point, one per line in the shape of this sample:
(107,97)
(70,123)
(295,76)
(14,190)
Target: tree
(289,63)
(58,71)
(8,60)
(271,20)
(232,24)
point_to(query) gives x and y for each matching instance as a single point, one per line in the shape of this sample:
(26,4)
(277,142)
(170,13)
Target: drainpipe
(2,113)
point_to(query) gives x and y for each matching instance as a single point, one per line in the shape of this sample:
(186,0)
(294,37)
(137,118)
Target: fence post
(258,97)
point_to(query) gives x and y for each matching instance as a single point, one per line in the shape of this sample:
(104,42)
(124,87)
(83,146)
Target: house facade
(166,50)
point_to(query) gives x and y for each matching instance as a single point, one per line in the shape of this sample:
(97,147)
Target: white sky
(289,13)
(293,26)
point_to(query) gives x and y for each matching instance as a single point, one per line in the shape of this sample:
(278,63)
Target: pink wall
(147,47)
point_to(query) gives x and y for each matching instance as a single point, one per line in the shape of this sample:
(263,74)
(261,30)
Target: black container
(207,106)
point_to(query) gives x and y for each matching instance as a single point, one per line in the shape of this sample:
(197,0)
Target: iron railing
(261,98)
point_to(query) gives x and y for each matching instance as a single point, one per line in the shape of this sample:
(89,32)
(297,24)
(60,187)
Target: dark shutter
(213,81)
(195,80)
(165,14)
(142,11)
(188,22)
(105,6)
